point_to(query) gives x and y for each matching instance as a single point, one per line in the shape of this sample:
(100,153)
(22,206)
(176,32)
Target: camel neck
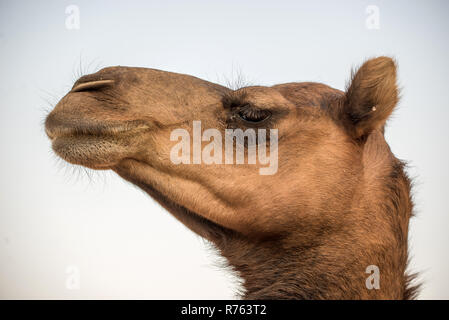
(349,269)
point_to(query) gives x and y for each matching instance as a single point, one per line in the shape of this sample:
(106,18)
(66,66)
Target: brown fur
(339,202)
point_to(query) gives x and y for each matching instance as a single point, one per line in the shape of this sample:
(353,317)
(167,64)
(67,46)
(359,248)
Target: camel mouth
(90,151)
(96,146)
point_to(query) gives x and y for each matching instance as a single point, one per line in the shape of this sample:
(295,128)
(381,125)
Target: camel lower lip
(93,145)
(96,152)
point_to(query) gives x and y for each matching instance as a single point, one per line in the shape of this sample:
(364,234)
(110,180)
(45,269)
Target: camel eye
(250,114)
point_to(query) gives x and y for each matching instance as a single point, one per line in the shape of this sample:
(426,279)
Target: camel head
(317,192)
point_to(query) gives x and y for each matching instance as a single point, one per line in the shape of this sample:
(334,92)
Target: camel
(338,204)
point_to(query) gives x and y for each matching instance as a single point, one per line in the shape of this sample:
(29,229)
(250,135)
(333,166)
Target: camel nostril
(91,85)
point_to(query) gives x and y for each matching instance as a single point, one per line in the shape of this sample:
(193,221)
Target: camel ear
(371,96)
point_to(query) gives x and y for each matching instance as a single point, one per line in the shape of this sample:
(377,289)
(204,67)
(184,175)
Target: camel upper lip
(57,129)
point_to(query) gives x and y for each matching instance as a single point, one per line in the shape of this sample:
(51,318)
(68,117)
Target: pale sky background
(119,240)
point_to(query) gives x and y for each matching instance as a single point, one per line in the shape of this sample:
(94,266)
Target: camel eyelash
(251,114)
(243,112)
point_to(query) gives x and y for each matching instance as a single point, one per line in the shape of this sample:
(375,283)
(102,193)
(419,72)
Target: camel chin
(85,142)
(89,151)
